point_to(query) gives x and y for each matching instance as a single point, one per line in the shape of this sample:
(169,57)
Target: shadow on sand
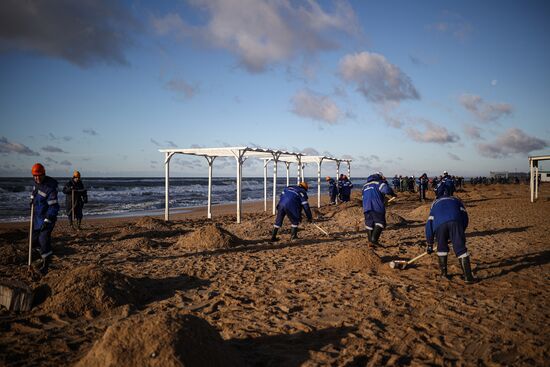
(516,263)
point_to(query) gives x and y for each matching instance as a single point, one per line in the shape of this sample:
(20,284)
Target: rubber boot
(376,232)
(78,224)
(274,235)
(443,266)
(369,233)
(465,265)
(294,233)
(44,267)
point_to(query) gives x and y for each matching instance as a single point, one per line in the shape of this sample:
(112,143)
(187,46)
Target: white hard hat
(445,172)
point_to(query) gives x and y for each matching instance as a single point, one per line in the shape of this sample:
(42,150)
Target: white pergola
(534,174)
(241,154)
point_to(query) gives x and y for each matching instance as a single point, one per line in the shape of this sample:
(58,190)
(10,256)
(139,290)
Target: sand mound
(11,254)
(88,289)
(160,340)
(152,224)
(138,243)
(395,219)
(355,259)
(209,237)
(421,213)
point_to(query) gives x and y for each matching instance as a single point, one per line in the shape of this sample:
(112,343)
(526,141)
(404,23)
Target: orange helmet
(304,185)
(328,178)
(76,174)
(38,170)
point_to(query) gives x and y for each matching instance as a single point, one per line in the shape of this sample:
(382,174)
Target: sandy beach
(142,292)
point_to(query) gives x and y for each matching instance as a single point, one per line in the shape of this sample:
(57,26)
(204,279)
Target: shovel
(402,264)
(321,229)
(30,234)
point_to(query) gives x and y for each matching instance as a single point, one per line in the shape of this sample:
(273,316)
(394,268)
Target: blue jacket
(345,187)
(396,182)
(332,188)
(293,199)
(373,194)
(446,187)
(44,199)
(443,210)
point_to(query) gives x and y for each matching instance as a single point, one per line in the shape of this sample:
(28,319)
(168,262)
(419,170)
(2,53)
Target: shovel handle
(30,233)
(416,258)
(321,229)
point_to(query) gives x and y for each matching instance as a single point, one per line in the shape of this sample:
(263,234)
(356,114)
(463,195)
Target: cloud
(81,32)
(263,33)
(376,78)
(453,24)
(315,106)
(454,157)
(50,160)
(310,151)
(91,132)
(432,134)
(472,132)
(485,112)
(494,82)
(65,163)
(182,88)
(155,142)
(512,141)
(7,146)
(171,144)
(52,149)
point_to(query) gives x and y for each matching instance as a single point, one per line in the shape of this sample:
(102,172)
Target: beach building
(506,174)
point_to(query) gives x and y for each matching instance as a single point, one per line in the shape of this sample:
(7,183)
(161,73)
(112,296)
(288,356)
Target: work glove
(429,248)
(46,224)
(31,201)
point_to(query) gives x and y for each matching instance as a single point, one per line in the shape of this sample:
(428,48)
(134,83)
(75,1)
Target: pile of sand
(11,254)
(395,219)
(355,259)
(209,237)
(137,243)
(161,340)
(87,289)
(420,214)
(152,224)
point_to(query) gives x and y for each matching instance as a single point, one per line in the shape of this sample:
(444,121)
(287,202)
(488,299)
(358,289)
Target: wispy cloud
(454,157)
(52,149)
(65,163)
(155,142)
(316,106)
(91,132)
(432,134)
(512,141)
(310,151)
(7,146)
(182,88)
(484,111)
(171,144)
(473,132)
(376,78)
(81,32)
(50,160)
(453,24)
(264,33)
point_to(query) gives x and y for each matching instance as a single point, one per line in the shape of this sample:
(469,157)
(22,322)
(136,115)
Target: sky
(402,87)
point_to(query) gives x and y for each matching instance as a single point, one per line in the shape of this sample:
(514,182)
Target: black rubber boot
(369,233)
(443,265)
(78,224)
(376,232)
(465,265)
(274,235)
(294,233)
(44,267)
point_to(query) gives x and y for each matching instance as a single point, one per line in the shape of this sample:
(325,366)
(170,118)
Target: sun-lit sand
(195,292)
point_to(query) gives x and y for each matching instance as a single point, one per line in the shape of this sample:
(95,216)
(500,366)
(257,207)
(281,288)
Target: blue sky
(399,86)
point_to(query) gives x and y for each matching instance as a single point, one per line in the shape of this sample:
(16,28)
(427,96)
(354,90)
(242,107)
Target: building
(506,174)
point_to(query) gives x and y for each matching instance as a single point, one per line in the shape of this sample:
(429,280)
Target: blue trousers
(281,213)
(451,231)
(43,240)
(373,218)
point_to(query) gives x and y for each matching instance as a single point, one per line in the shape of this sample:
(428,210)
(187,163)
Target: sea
(132,196)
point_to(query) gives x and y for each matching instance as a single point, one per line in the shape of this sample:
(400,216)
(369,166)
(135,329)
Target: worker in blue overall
(373,205)
(345,189)
(332,190)
(446,223)
(445,187)
(45,209)
(293,199)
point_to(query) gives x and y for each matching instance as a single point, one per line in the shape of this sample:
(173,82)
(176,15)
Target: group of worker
(45,208)
(339,190)
(446,222)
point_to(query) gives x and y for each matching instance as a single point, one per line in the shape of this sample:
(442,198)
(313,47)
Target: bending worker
(45,209)
(75,198)
(373,205)
(447,222)
(332,190)
(291,202)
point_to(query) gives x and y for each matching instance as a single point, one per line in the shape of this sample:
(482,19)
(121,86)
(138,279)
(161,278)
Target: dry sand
(195,292)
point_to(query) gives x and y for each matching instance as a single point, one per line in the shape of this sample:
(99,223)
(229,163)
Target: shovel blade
(398,264)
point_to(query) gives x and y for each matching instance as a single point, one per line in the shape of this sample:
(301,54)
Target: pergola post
(337,176)
(319,183)
(536,180)
(239,158)
(275,161)
(287,164)
(349,169)
(266,161)
(210,161)
(531,182)
(167,158)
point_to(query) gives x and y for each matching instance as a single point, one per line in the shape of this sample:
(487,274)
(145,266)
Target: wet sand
(139,291)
